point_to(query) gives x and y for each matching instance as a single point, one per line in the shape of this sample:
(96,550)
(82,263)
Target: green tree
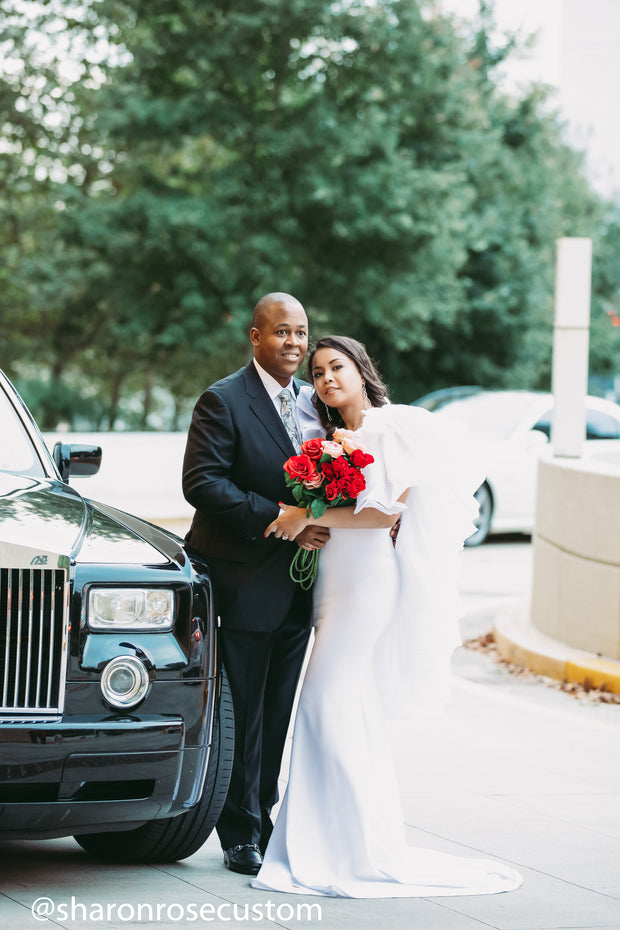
(23,198)
(605,308)
(359,155)
(293,146)
(47,320)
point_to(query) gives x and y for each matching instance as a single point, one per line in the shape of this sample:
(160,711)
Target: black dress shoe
(245,858)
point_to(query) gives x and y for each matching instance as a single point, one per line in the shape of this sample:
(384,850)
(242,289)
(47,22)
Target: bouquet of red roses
(326,473)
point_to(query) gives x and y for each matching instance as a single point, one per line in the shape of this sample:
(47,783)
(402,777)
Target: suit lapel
(298,384)
(262,407)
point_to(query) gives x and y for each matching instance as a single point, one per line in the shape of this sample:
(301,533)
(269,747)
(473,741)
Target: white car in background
(512,430)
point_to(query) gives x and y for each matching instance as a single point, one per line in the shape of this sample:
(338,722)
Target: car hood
(47,514)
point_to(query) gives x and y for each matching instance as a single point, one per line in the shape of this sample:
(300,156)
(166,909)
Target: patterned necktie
(288,418)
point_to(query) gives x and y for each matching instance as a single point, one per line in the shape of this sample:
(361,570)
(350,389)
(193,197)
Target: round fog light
(125,681)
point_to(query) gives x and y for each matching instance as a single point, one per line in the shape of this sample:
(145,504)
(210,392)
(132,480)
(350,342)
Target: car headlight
(130,608)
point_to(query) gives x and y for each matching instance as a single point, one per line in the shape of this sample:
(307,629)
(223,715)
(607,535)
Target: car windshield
(489,415)
(17,453)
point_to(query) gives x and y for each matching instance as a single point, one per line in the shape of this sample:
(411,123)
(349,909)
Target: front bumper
(91,774)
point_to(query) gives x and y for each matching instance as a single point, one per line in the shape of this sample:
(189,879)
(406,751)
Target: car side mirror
(74,459)
(536,438)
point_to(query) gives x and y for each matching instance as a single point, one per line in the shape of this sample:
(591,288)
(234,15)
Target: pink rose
(332,448)
(345,438)
(314,482)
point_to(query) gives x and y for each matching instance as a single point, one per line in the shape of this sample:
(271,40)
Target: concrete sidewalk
(514,771)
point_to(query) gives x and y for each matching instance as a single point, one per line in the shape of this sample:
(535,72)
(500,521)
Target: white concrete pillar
(570,344)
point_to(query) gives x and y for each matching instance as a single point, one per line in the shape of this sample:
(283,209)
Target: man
(242,431)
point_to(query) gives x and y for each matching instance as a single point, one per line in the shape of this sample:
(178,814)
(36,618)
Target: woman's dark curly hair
(375,388)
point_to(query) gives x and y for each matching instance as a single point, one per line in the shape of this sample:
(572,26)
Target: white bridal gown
(386,625)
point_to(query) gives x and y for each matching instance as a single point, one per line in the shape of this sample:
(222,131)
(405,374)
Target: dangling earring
(367,403)
(329,415)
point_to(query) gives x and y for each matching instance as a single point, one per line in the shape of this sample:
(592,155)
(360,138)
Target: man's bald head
(279,335)
(266,304)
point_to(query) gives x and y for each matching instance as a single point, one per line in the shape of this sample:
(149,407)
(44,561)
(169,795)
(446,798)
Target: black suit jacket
(233,476)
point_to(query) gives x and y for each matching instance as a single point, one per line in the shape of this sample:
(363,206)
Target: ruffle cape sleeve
(414,449)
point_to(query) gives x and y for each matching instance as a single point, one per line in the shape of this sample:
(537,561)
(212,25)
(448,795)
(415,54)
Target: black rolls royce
(116,721)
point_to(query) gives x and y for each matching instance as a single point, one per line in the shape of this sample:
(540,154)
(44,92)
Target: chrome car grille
(33,640)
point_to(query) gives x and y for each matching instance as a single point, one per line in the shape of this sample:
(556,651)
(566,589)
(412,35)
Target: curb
(522,644)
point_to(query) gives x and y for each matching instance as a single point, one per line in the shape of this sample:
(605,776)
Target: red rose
(331,490)
(361,459)
(343,486)
(299,467)
(357,485)
(313,448)
(336,468)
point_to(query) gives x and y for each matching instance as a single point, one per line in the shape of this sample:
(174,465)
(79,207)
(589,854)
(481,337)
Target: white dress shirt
(303,409)
(274,388)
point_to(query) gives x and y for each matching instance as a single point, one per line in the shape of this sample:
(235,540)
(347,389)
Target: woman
(384,614)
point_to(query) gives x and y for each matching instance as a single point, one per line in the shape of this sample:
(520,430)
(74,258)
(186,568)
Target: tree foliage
(361,156)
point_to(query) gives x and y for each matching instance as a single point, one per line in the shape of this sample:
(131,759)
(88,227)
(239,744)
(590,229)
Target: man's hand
(394,530)
(313,537)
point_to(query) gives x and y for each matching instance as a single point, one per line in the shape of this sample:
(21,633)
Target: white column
(570,344)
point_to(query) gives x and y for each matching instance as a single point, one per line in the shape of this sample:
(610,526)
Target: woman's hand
(288,524)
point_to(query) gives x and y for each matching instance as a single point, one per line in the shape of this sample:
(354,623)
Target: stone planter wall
(576,581)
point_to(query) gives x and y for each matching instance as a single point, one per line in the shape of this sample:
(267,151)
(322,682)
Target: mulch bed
(585,692)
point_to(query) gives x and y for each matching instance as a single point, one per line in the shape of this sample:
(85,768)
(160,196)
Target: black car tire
(173,838)
(485,514)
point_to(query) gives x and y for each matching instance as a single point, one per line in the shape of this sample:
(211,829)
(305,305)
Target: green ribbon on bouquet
(304,567)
